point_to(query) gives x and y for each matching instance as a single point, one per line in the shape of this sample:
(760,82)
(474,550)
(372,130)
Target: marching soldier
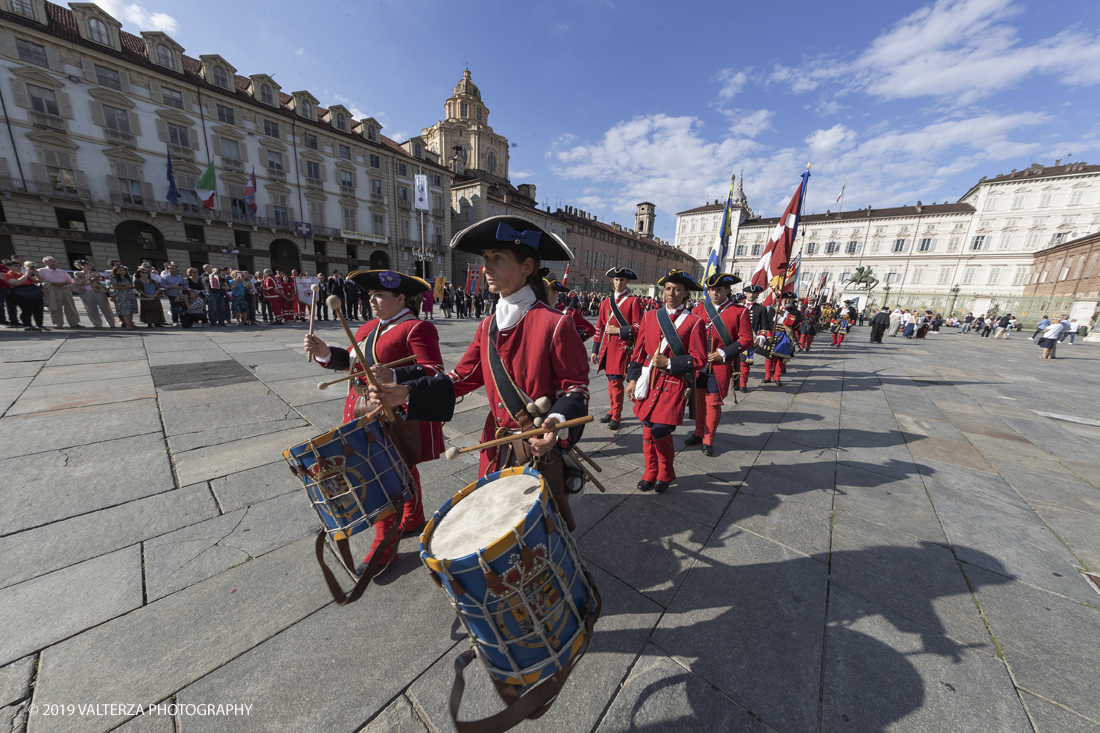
(758,316)
(729,332)
(669,351)
(784,321)
(618,323)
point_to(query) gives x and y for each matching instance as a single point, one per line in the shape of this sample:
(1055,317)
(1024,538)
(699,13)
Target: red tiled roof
(864,214)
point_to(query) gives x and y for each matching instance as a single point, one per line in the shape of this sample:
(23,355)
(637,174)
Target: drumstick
(453,452)
(587,473)
(334,303)
(391,365)
(312,312)
(584,455)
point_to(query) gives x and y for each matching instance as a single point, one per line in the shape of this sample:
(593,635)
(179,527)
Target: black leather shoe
(708,450)
(692,439)
(645,486)
(414,531)
(660,486)
(767,381)
(778,383)
(744,390)
(614,425)
(605,419)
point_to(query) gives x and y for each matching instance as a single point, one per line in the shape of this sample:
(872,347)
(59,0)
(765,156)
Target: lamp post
(954,296)
(886,296)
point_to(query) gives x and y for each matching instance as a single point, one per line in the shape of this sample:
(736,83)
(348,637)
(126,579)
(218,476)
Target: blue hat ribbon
(530,237)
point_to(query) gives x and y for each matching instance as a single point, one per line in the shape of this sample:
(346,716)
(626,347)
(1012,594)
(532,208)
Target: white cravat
(672,312)
(512,308)
(385,324)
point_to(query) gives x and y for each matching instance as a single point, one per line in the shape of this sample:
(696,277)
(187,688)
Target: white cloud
(750,123)
(133,15)
(733,82)
(521,175)
(356,111)
(300,52)
(668,161)
(962,50)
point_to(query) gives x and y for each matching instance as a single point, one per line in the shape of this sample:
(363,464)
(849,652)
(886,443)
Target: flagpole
(798,223)
(840,199)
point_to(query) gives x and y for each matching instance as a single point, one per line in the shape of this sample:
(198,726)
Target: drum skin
(352,474)
(552,580)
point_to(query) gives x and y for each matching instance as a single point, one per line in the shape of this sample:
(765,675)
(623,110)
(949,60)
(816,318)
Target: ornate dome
(466,86)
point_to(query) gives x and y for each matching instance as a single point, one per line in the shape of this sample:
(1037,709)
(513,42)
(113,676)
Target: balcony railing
(376,198)
(181,152)
(9,184)
(47,121)
(124,199)
(315,183)
(181,209)
(276,175)
(120,137)
(348,191)
(232,164)
(437,212)
(404,204)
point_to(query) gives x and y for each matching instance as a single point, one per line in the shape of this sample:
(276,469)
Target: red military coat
(405,337)
(665,402)
(271,289)
(545,357)
(738,322)
(614,351)
(585,328)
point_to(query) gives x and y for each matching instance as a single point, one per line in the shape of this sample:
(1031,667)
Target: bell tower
(644,218)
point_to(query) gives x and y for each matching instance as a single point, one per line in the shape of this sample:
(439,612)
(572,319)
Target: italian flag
(207,187)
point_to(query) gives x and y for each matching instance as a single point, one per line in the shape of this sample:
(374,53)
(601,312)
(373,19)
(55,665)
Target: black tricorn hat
(556,286)
(514,233)
(750,288)
(682,278)
(722,279)
(624,272)
(389,280)
(787,294)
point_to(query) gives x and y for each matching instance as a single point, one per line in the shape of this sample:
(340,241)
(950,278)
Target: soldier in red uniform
(729,332)
(618,323)
(569,308)
(524,351)
(273,295)
(783,324)
(669,351)
(395,332)
(758,316)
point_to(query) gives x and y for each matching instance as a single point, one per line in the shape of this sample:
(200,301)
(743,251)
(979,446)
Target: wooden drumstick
(587,473)
(312,314)
(582,454)
(334,303)
(453,452)
(346,377)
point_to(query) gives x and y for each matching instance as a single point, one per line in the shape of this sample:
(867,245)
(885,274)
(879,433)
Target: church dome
(466,86)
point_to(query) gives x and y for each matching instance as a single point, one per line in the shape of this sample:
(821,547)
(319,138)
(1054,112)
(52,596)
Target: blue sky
(611,103)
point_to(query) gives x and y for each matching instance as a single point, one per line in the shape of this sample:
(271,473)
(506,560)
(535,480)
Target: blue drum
(513,575)
(353,475)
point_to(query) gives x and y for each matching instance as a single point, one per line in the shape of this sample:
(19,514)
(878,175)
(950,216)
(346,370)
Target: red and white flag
(772,266)
(565,277)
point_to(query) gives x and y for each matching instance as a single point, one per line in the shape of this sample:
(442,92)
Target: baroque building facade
(975,253)
(93,114)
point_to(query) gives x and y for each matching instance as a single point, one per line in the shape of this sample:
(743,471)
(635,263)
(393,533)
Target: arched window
(492,161)
(164,56)
(220,78)
(97,29)
(370,132)
(341,122)
(305,109)
(265,94)
(416,150)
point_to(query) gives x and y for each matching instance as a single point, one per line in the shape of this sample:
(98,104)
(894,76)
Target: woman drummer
(396,332)
(540,355)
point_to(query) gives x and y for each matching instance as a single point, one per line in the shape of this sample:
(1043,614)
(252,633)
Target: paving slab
(42,611)
(81,394)
(10,391)
(324,416)
(661,695)
(14,717)
(628,619)
(1029,624)
(45,549)
(1080,531)
(57,375)
(170,643)
(94,477)
(44,431)
(746,600)
(803,527)
(15,680)
(882,672)
(786,482)
(399,717)
(203,464)
(977,488)
(244,488)
(1051,717)
(176,399)
(1041,484)
(129,352)
(900,505)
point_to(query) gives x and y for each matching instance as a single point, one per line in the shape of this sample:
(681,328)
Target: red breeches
(774,368)
(615,392)
(708,411)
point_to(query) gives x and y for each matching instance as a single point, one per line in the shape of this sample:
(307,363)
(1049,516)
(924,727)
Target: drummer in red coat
(568,307)
(540,355)
(723,355)
(395,332)
(616,329)
(658,374)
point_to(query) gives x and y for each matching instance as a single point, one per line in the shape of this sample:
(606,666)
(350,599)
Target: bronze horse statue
(863,276)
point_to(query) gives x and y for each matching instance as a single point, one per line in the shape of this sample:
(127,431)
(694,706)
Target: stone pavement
(892,541)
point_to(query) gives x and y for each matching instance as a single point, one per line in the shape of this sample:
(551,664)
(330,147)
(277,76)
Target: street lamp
(886,295)
(954,295)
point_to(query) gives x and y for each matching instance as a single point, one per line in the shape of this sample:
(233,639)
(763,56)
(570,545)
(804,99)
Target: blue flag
(718,253)
(173,193)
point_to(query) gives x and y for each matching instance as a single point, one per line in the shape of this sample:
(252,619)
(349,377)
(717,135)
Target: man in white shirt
(59,294)
(1071,331)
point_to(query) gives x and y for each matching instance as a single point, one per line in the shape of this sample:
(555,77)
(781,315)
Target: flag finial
(808,166)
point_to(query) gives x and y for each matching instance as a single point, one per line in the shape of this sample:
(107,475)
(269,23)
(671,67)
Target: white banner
(302,288)
(420,200)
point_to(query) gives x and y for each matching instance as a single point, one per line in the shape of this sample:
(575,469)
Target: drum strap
(510,393)
(374,567)
(538,700)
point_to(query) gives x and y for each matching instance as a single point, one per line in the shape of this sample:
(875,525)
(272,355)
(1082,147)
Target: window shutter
(322,167)
(290,213)
(135,123)
(64,105)
(188,102)
(286,162)
(269,211)
(7,45)
(124,79)
(162,130)
(147,193)
(154,89)
(38,171)
(217,145)
(194,135)
(97,114)
(354,179)
(115,188)
(81,181)
(89,69)
(53,58)
(244,151)
(19,89)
